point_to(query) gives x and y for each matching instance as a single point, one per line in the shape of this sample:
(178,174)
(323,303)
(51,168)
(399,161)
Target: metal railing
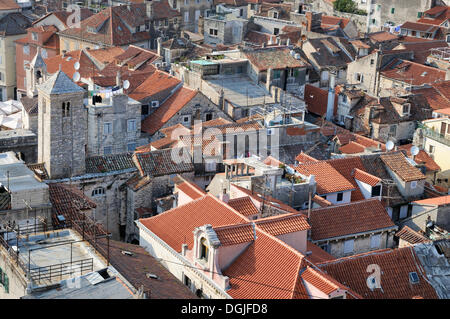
(427,132)
(78,267)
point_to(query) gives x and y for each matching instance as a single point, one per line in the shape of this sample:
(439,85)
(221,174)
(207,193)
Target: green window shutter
(392,10)
(419,14)
(6,284)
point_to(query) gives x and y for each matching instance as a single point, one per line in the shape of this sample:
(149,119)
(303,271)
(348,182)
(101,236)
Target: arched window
(99,191)
(65,109)
(203,249)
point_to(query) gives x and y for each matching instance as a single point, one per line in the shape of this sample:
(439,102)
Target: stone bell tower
(61,126)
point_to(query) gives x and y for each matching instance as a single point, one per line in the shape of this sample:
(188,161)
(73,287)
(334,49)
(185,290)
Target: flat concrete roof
(45,251)
(16,175)
(238,87)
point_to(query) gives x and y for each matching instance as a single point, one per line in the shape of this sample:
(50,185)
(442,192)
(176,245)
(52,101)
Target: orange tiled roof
(397,162)
(412,73)
(438,201)
(352,148)
(191,189)
(283,224)
(348,219)
(322,202)
(328,179)
(8,5)
(395,267)
(184,219)
(411,236)
(318,255)
(235,234)
(272,161)
(216,122)
(316,100)
(243,205)
(267,269)
(159,81)
(304,158)
(167,110)
(366,177)
(421,158)
(321,281)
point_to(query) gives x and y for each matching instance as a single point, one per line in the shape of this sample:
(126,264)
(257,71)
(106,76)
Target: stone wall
(20,141)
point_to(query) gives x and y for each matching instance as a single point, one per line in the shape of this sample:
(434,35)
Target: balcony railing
(434,135)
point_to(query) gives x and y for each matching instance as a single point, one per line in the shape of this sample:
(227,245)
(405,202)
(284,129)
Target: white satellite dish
(76,66)
(389,145)
(126,84)
(414,150)
(76,77)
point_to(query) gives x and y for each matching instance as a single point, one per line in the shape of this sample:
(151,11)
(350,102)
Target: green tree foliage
(345,6)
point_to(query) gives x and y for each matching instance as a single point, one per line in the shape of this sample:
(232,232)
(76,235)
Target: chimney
(118,80)
(309,20)
(224,197)
(159,47)
(331,97)
(269,79)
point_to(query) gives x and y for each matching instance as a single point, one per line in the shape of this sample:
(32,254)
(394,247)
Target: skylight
(413,277)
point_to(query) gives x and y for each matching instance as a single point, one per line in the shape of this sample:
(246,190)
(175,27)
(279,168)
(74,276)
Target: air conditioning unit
(158,65)
(155,103)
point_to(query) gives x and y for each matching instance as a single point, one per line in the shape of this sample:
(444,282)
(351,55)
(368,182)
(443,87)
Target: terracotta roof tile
(412,73)
(318,255)
(352,148)
(283,224)
(235,234)
(316,100)
(191,189)
(348,219)
(366,177)
(158,82)
(395,267)
(109,163)
(322,202)
(411,236)
(397,162)
(438,201)
(304,158)
(321,281)
(273,58)
(267,269)
(328,179)
(244,205)
(167,110)
(421,158)
(184,219)
(162,162)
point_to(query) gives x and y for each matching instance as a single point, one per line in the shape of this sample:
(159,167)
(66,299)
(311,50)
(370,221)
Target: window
(65,108)
(325,247)
(340,197)
(155,103)
(131,147)
(107,128)
(186,119)
(276,31)
(372,61)
(431,149)
(203,249)
(208,117)
(213,32)
(375,241)
(241,12)
(99,191)
(376,191)
(26,49)
(186,16)
(413,184)
(275,15)
(406,108)
(107,150)
(210,166)
(392,10)
(44,54)
(131,125)
(419,14)
(413,278)
(348,246)
(144,110)
(187,281)
(393,130)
